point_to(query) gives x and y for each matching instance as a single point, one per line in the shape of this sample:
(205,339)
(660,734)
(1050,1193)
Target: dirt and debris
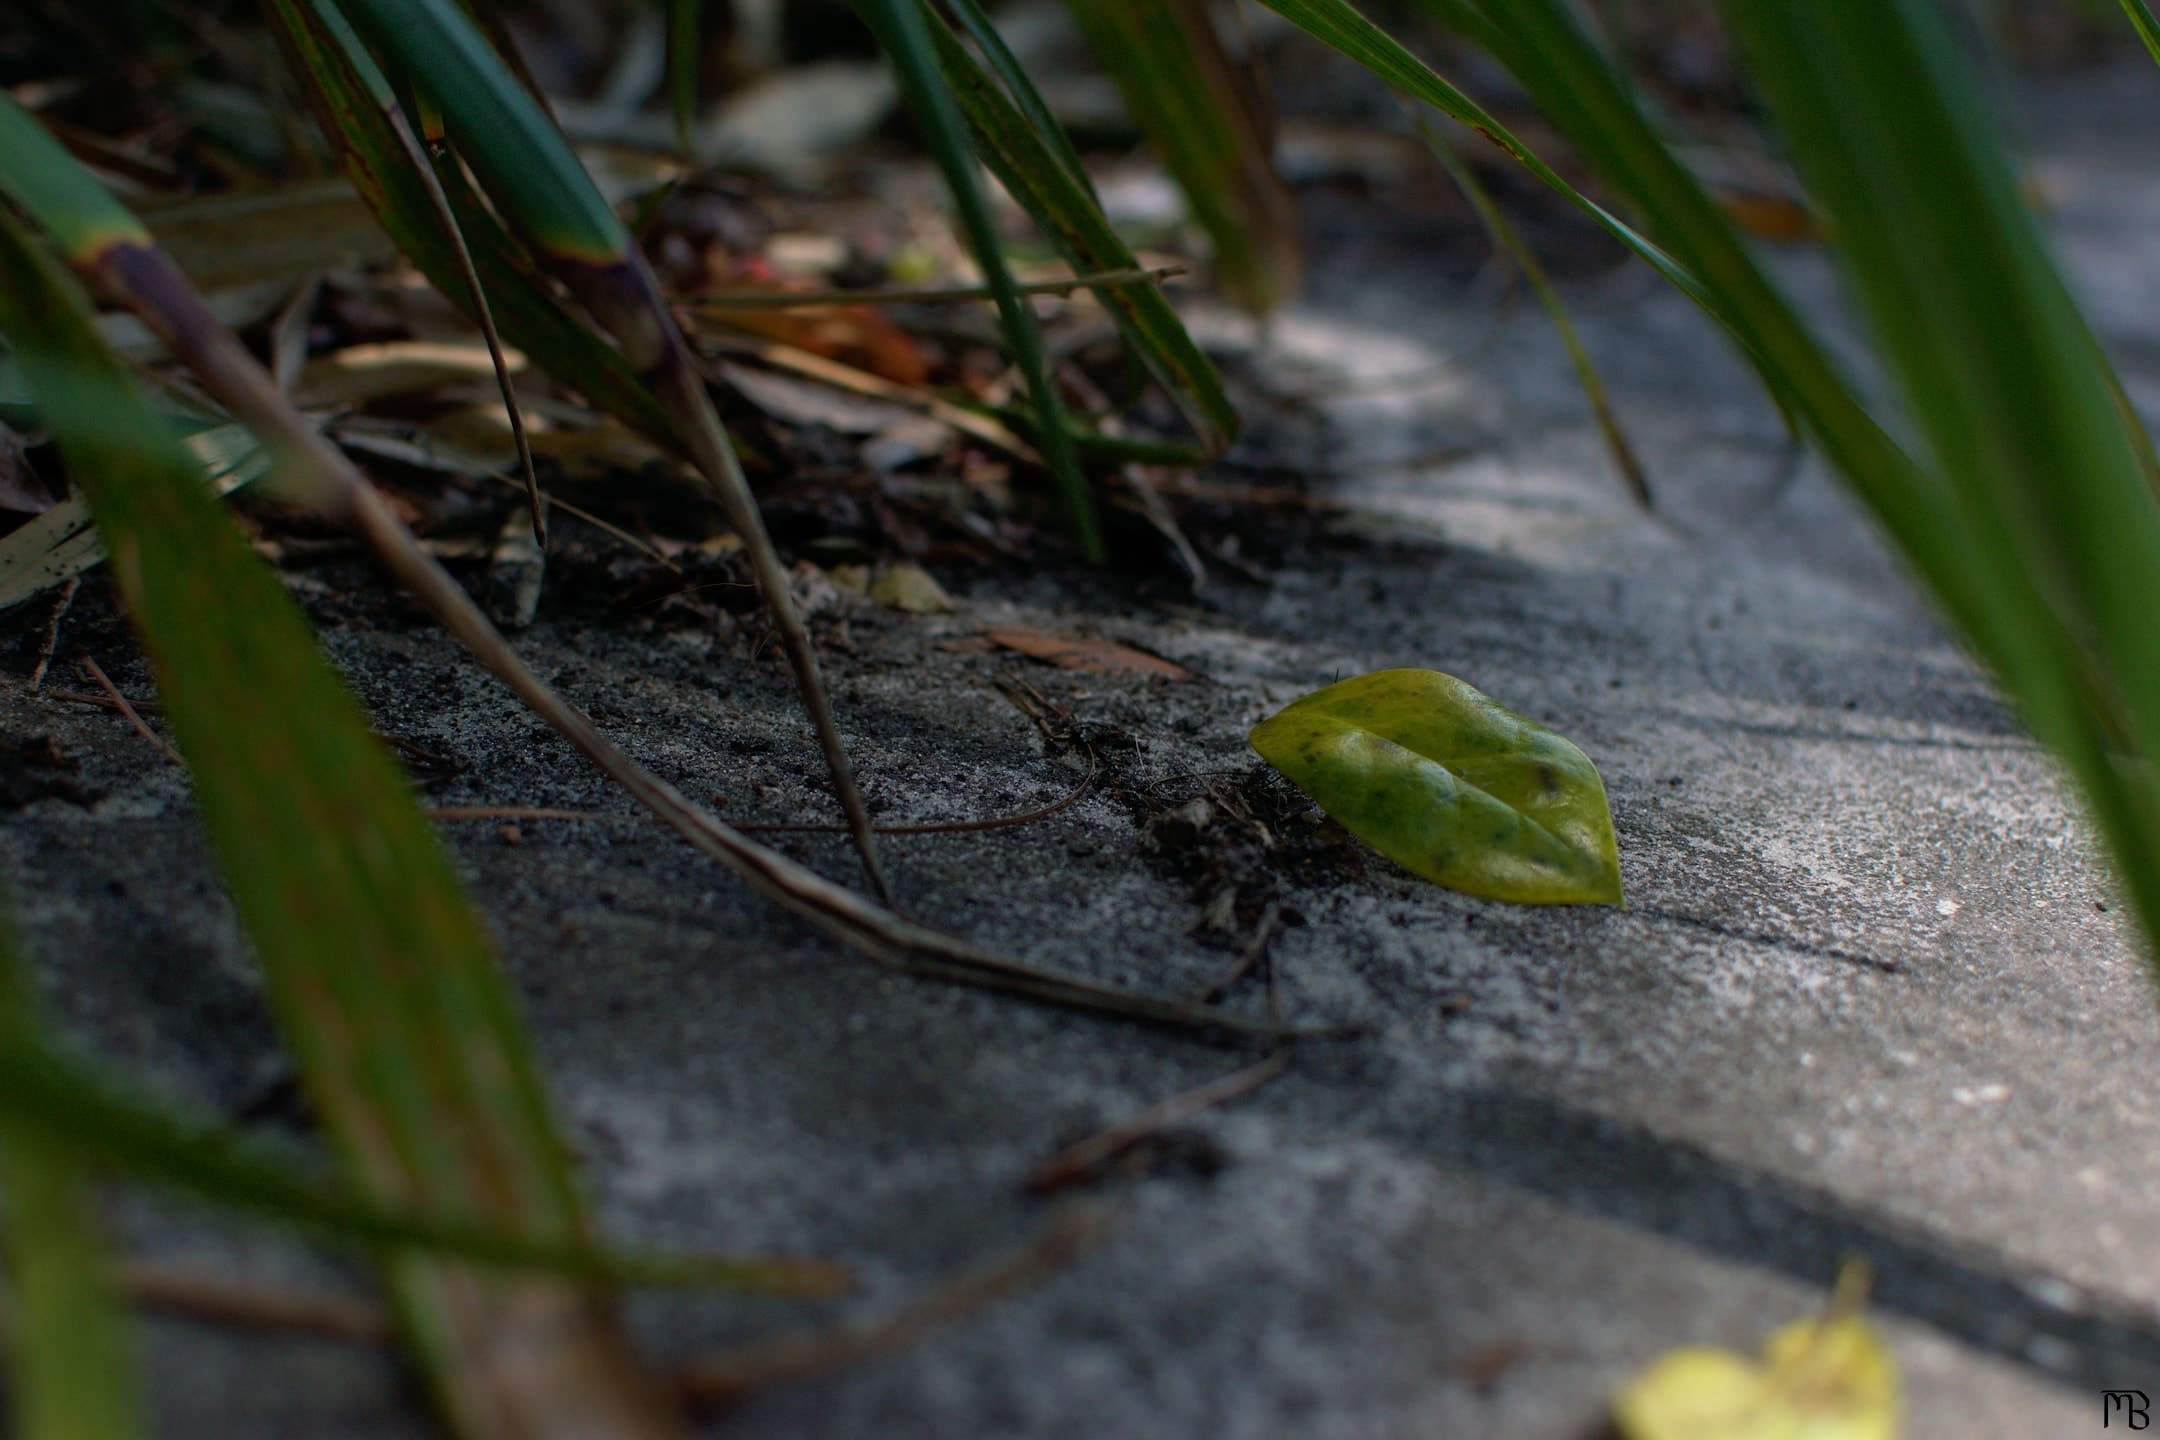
(1553,1144)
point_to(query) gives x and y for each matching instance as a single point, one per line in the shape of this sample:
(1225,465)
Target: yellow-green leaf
(1451,786)
(1830,1378)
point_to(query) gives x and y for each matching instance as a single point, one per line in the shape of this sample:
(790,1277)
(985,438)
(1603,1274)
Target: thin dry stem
(1085,1158)
(724,1379)
(120,702)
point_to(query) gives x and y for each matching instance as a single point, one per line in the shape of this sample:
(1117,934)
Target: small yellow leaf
(911,588)
(1830,1378)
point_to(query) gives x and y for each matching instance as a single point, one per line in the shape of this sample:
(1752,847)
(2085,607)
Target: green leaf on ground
(1451,786)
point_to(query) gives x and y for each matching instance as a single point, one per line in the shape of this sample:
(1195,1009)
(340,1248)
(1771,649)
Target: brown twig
(1254,951)
(120,702)
(52,631)
(949,295)
(184,1291)
(724,1379)
(1080,1160)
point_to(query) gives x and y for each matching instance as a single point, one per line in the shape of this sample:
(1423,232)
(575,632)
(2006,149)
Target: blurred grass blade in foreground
(1215,132)
(902,30)
(2145,23)
(1039,170)
(76,1108)
(1999,371)
(537,184)
(1966,553)
(70,1373)
(383,982)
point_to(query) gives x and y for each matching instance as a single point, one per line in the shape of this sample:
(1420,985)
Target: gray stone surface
(1871,997)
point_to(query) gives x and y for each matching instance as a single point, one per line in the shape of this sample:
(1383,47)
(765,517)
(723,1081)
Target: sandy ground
(1871,997)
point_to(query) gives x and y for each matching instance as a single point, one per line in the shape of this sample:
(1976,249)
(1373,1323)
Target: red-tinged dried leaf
(1091,653)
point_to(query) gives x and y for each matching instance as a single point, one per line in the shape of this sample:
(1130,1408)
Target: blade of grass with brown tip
(353,105)
(1214,131)
(1038,170)
(532,177)
(383,982)
(904,34)
(1509,241)
(70,1373)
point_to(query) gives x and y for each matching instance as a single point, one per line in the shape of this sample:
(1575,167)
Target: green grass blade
(75,1108)
(383,982)
(684,30)
(2000,371)
(1213,131)
(1969,555)
(1038,172)
(499,128)
(1509,241)
(1568,77)
(1341,26)
(903,33)
(354,105)
(1020,86)
(2147,27)
(71,1375)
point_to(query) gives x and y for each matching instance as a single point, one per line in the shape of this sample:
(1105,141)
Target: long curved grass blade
(1568,77)
(383,981)
(1968,556)
(76,1109)
(1339,25)
(1999,369)
(904,34)
(1040,172)
(71,1376)
(533,177)
(1508,240)
(2147,26)
(1214,131)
